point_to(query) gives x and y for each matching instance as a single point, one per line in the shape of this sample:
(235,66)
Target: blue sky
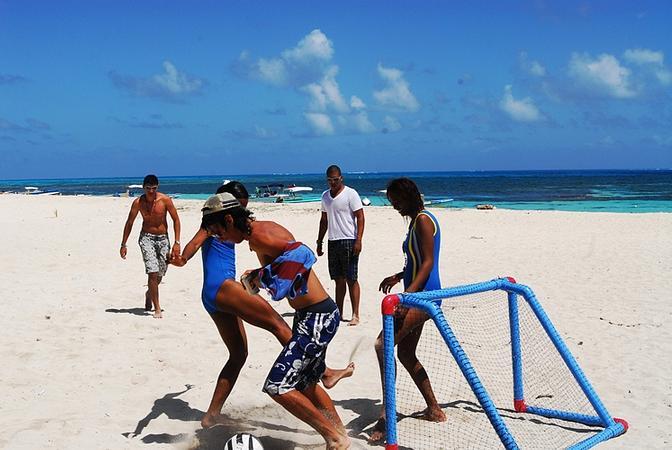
(115,88)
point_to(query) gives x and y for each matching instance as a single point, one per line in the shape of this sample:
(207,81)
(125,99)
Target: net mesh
(480,323)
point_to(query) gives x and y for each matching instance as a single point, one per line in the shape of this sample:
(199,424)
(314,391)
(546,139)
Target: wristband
(123,245)
(177,242)
(319,242)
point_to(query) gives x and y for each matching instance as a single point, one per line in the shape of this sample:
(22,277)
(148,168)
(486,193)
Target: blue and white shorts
(302,361)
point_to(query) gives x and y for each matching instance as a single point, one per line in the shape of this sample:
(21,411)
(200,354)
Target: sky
(114,88)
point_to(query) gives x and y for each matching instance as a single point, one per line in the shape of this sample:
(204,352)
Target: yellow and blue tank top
(413,256)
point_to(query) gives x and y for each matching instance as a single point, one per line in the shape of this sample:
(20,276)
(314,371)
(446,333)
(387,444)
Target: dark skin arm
(425,232)
(324,224)
(359,217)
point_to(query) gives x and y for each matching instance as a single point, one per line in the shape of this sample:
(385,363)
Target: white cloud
(643,56)
(171,85)
(604,72)
(272,71)
(177,82)
(326,94)
(321,123)
(397,93)
(357,103)
(305,63)
(313,46)
(532,67)
(664,76)
(651,60)
(362,124)
(520,110)
(537,69)
(391,124)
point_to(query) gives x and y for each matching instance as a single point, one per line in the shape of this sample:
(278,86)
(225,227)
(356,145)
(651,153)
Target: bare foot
(434,415)
(210,420)
(378,433)
(333,376)
(342,443)
(157,314)
(354,321)
(148,302)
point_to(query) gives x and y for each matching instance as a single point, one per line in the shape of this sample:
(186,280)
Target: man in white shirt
(343,215)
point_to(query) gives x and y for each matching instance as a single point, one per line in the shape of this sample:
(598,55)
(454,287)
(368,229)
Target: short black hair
(407,193)
(235,188)
(334,168)
(239,214)
(150,180)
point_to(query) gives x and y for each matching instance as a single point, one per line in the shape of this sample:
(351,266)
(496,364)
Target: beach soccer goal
(500,372)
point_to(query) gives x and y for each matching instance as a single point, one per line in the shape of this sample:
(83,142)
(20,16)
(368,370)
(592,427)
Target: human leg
(233,334)
(232,298)
(412,319)
(153,280)
(353,287)
(407,356)
(351,275)
(341,287)
(303,408)
(323,402)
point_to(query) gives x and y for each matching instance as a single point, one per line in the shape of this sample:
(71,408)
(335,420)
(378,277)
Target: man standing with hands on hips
(153,206)
(343,216)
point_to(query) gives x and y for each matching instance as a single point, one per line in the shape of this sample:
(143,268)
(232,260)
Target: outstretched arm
(191,248)
(176,226)
(132,214)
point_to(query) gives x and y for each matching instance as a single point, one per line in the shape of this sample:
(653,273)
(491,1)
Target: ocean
(627,191)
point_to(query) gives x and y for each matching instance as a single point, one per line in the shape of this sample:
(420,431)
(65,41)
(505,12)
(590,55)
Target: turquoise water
(635,191)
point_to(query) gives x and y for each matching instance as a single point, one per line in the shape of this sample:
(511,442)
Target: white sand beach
(84,367)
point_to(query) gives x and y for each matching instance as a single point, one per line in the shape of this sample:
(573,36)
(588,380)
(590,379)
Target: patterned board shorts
(302,361)
(154,249)
(343,262)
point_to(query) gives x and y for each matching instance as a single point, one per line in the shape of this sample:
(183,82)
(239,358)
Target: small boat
(279,193)
(485,206)
(32,190)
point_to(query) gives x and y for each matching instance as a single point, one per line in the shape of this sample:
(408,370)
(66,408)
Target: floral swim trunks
(154,249)
(302,361)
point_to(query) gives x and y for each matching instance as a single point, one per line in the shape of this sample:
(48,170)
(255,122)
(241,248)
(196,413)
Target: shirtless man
(153,241)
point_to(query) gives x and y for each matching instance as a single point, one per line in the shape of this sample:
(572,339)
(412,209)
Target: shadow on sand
(134,311)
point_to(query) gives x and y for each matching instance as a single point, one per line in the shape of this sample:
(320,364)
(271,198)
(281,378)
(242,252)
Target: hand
(320,252)
(122,252)
(250,281)
(386,285)
(176,251)
(178,261)
(357,247)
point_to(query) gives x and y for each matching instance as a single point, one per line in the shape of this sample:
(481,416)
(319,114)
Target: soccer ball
(243,441)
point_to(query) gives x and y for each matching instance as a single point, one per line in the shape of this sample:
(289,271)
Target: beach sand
(84,367)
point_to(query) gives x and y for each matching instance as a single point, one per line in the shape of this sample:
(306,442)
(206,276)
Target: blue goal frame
(428,302)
